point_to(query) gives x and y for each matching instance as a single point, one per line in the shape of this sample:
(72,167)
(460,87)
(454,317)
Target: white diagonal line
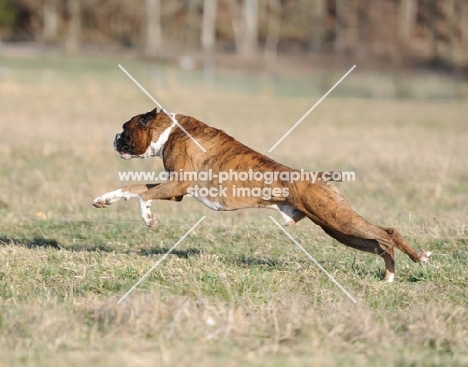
(315,105)
(315,261)
(161,259)
(161,107)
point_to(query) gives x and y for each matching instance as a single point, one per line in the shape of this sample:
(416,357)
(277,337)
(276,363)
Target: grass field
(237,291)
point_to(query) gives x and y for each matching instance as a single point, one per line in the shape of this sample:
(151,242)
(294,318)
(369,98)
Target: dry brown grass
(286,330)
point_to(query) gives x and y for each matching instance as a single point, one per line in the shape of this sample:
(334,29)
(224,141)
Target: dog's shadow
(184,254)
(240,260)
(30,243)
(50,243)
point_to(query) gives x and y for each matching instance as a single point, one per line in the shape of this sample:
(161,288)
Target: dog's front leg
(170,190)
(127,192)
(145,193)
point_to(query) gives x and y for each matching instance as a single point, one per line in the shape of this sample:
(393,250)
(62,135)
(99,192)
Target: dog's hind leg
(401,244)
(290,214)
(328,208)
(367,245)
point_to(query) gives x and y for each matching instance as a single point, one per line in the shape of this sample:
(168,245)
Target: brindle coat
(155,133)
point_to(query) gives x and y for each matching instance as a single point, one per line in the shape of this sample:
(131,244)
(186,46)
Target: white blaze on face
(155,148)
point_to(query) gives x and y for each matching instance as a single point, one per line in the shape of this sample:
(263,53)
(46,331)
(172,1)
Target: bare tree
(464,24)
(340,25)
(274,28)
(236,23)
(153,39)
(50,16)
(408,12)
(245,26)
(208,37)
(453,11)
(72,43)
(250,17)
(317,30)
(407,19)
(192,22)
(432,18)
(364,25)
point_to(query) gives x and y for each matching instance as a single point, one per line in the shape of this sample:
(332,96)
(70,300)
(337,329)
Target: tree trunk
(74,27)
(364,23)
(408,12)
(245,26)
(433,29)
(250,27)
(50,30)
(453,17)
(153,40)
(236,24)
(274,27)
(340,25)
(463,26)
(208,38)
(192,23)
(318,20)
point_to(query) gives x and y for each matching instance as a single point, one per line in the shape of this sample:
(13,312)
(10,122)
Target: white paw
(390,278)
(112,197)
(151,222)
(146,215)
(100,202)
(425,255)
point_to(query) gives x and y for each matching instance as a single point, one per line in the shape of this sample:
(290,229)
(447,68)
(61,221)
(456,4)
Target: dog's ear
(147,118)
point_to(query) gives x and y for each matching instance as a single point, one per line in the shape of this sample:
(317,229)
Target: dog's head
(138,134)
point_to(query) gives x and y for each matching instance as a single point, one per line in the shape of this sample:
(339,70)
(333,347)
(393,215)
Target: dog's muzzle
(117,138)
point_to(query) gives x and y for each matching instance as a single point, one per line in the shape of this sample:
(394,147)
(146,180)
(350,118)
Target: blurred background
(279,36)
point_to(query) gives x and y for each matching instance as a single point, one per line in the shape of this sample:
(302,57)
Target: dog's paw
(99,202)
(389,278)
(112,197)
(425,255)
(151,221)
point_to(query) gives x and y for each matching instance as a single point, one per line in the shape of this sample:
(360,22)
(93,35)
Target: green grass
(236,291)
(253,304)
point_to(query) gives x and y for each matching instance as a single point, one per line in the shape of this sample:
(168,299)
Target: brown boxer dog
(158,134)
